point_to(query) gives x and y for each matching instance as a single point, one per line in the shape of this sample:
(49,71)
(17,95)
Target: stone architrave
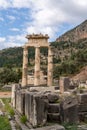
(37,67)
(25,67)
(50,66)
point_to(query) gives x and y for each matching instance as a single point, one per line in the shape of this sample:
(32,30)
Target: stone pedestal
(37,67)
(50,67)
(25,67)
(69,110)
(64,84)
(35,109)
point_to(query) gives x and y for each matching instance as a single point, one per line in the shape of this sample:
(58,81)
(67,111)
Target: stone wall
(20,101)
(42,107)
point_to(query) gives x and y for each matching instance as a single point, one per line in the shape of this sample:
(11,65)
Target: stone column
(50,67)
(37,67)
(25,67)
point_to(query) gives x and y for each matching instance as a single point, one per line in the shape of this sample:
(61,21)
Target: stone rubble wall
(42,107)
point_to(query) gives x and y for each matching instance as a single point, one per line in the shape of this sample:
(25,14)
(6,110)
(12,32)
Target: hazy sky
(54,17)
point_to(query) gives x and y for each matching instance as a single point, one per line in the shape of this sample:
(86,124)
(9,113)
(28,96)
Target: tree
(8,75)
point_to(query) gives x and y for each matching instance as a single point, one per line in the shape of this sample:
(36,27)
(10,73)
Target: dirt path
(5,94)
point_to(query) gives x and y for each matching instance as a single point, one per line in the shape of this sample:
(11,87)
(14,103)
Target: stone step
(82,108)
(53,117)
(53,108)
(82,116)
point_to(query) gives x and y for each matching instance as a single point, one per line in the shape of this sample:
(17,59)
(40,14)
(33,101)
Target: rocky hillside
(76,34)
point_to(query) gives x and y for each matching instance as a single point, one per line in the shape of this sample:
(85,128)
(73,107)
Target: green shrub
(23,119)
(70,126)
(11,112)
(4,123)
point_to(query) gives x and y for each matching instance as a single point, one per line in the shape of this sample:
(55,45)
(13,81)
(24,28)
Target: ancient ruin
(37,41)
(45,104)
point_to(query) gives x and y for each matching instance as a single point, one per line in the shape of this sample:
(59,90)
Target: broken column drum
(37,41)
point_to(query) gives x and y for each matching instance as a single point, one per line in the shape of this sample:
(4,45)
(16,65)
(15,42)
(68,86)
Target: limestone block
(53,117)
(71,115)
(29,107)
(69,110)
(36,108)
(53,108)
(41,110)
(64,84)
(82,108)
(82,98)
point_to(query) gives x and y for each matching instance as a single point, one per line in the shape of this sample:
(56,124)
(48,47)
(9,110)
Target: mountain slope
(76,34)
